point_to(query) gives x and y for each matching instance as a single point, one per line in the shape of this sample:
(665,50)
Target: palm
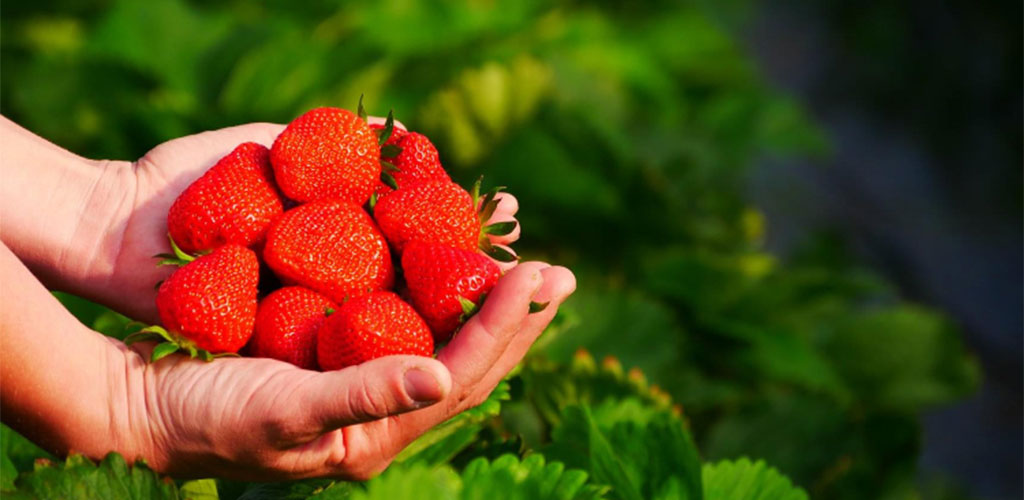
(162,174)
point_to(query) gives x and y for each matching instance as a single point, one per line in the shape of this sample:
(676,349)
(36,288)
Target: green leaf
(389,167)
(742,479)
(500,228)
(199,489)
(506,477)
(531,478)
(388,180)
(163,350)
(361,111)
(500,254)
(536,307)
(390,151)
(17,454)
(389,128)
(79,478)
(449,438)
(294,490)
(639,458)
(468,306)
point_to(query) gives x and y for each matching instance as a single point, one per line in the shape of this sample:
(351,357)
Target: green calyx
(486,205)
(469,308)
(178,258)
(170,343)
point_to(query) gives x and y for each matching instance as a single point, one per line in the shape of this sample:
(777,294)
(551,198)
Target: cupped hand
(260,419)
(263,419)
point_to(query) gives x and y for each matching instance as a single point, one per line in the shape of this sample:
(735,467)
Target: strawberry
(371,326)
(329,246)
(287,322)
(438,212)
(410,159)
(233,202)
(208,306)
(445,283)
(441,212)
(327,153)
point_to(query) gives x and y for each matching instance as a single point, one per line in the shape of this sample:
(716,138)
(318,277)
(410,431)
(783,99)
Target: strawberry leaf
(200,489)
(17,454)
(390,150)
(389,167)
(475,191)
(745,479)
(361,111)
(446,440)
(78,477)
(389,128)
(163,350)
(500,228)
(500,254)
(648,456)
(468,306)
(373,202)
(388,180)
(536,307)
(505,477)
(489,204)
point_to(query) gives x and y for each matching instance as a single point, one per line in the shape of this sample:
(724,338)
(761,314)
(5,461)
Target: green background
(624,129)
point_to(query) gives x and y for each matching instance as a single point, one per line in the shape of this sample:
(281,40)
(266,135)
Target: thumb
(374,390)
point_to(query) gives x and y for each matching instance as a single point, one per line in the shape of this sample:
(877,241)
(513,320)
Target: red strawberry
(210,303)
(416,162)
(233,202)
(287,323)
(369,327)
(332,247)
(436,212)
(327,153)
(441,278)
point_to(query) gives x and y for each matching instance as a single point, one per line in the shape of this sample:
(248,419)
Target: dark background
(923,102)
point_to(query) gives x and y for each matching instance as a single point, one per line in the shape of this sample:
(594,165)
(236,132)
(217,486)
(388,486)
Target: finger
(559,284)
(506,239)
(483,339)
(259,132)
(369,391)
(507,204)
(469,356)
(377,120)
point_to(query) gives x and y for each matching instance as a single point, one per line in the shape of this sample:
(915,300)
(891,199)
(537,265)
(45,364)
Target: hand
(240,418)
(261,419)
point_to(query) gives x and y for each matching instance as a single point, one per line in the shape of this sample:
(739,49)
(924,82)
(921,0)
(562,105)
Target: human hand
(260,419)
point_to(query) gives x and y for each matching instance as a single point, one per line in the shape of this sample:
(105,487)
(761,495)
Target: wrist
(58,208)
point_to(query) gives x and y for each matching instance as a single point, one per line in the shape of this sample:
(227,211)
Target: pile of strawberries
(341,243)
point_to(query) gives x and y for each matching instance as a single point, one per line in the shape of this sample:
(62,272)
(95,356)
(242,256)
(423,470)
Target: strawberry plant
(625,132)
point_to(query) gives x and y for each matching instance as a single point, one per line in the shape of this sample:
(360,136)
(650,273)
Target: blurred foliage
(624,129)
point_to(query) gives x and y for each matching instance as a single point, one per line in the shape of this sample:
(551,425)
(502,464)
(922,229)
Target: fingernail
(422,387)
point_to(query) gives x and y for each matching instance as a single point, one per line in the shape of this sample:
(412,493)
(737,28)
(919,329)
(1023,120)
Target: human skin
(91,228)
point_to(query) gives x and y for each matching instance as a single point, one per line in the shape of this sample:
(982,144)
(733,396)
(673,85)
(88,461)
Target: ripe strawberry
(371,326)
(444,281)
(437,212)
(416,160)
(287,322)
(329,246)
(327,153)
(209,304)
(233,202)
